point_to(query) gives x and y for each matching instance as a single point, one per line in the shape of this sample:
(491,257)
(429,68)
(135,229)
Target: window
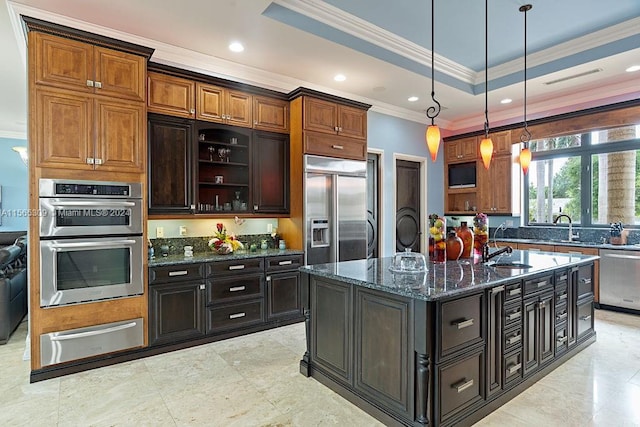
(593,177)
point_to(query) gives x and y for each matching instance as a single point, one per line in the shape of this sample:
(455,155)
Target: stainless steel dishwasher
(620,278)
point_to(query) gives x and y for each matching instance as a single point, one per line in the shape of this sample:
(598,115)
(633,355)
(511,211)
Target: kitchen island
(450,345)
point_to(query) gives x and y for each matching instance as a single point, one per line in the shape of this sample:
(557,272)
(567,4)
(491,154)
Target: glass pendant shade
(486,151)
(525,159)
(433,140)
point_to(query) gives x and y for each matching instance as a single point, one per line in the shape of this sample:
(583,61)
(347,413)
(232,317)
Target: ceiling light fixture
(525,137)
(633,68)
(412,99)
(24,155)
(433,131)
(236,47)
(340,77)
(506,101)
(486,145)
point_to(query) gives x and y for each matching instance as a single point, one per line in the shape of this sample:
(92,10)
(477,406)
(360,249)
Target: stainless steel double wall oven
(91,245)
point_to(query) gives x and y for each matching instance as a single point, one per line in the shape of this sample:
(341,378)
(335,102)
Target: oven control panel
(92,189)
(89,189)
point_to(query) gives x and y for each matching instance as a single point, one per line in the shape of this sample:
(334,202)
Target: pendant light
(433,131)
(486,145)
(525,137)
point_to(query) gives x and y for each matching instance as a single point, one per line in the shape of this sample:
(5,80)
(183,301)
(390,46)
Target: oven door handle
(102,203)
(110,243)
(93,333)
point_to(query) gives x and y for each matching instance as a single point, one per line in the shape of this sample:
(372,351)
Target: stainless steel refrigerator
(335,209)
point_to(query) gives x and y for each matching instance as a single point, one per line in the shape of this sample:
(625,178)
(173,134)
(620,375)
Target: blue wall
(395,135)
(15,186)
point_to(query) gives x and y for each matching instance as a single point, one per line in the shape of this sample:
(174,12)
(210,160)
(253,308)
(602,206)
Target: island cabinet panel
(539,331)
(461,324)
(495,331)
(383,355)
(332,323)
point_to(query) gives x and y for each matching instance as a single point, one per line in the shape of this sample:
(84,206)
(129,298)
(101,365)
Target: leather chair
(13,287)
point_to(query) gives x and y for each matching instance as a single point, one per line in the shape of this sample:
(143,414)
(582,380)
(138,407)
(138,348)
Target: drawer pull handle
(514,315)
(289,262)
(462,387)
(514,368)
(586,281)
(237,288)
(562,340)
(585,317)
(178,273)
(543,283)
(337,147)
(562,316)
(513,292)
(563,296)
(237,315)
(463,323)
(236,267)
(514,339)
(563,277)
(497,289)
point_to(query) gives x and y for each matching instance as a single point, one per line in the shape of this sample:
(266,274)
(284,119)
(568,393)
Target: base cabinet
(176,312)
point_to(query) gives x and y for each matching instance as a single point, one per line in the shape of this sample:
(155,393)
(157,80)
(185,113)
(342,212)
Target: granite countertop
(447,279)
(568,243)
(212,256)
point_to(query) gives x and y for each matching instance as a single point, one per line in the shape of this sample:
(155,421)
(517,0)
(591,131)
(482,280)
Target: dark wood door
(283,295)
(530,333)
(170,147)
(408,189)
(373,183)
(547,327)
(495,328)
(176,312)
(270,172)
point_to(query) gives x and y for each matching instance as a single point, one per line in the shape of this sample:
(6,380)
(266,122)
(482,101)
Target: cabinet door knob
(202,287)
(255,122)
(335,128)
(90,83)
(90,160)
(192,111)
(98,85)
(255,207)
(97,161)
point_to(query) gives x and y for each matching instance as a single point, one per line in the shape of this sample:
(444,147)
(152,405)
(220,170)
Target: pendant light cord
(486,68)
(432,112)
(525,137)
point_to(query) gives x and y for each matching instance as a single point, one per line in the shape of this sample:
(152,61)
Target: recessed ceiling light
(633,68)
(506,101)
(412,99)
(236,47)
(340,77)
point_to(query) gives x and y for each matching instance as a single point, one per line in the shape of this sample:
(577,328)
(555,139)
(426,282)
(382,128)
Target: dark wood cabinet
(270,170)
(495,330)
(176,312)
(538,331)
(170,164)
(283,295)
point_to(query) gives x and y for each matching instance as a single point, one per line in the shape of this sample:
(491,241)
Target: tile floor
(254,381)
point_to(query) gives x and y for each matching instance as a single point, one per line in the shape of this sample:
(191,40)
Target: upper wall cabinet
(171,95)
(333,118)
(270,114)
(461,150)
(501,143)
(221,105)
(79,66)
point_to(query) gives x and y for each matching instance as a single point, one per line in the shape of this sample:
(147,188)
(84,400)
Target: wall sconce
(24,155)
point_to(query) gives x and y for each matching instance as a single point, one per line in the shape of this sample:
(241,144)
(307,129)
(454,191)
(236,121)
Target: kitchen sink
(515,265)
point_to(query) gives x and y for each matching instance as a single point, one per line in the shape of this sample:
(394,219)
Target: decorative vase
(480,232)
(465,233)
(454,246)
(225,249)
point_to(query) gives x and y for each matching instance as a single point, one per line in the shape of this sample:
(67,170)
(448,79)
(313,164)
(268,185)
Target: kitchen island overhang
(450,345)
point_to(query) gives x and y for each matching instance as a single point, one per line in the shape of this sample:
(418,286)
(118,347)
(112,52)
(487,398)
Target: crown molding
(12,134)
(364,30)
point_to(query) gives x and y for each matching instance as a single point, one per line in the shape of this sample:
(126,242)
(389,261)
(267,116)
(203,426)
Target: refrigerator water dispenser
(320,233)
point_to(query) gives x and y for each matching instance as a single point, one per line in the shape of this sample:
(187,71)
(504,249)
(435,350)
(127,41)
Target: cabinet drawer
(513,291)
(585,318)
(562,295)
(585,281)
(512,367)
(460,323)
(512,339)
(562,277)
(460,385)
(248,265)
(562,340)
(283,263)
(561,313)
(512,314)
(232,288)
(175,273)
(539,284)
(233,316)
(334,146)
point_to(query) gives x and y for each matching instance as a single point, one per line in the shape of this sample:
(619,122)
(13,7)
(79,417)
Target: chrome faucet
(571,235)
(486,256)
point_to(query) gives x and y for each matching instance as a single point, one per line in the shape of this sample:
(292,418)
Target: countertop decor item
(480,232)
(618,235)
(224,243)
(437,231)
(454,246)
(466,235)
(408,262)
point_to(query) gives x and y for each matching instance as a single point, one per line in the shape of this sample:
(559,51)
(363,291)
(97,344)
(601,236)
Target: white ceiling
(384,51)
